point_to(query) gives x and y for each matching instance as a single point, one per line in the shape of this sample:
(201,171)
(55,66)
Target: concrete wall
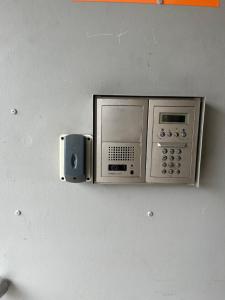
(94,242)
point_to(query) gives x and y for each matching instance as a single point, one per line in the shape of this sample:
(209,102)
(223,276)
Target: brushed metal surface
(121,123)
(158,166)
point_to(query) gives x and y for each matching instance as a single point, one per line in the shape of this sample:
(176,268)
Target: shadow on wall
(16,292)
(211,156)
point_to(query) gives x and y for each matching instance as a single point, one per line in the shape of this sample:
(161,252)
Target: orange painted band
(210,3)
(121,1)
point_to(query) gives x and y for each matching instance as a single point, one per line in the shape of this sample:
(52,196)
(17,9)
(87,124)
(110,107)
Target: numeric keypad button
(178,158)
(164,150)
(171,151)
(163,171)
(164,165)
(171,157)
(171,165)
(170,171)
(178,151)
(164,157)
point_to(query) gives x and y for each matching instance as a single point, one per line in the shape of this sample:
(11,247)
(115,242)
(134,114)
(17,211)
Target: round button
(183,134)
(171,165)
(163,171)
(178,165)
(169,133)
(177,171)
(170,171)
(178,151)
(164,165)
(162,133)
(176,134)
(171,151)
(164,157)
(178,158)
(164,150)
(171,157)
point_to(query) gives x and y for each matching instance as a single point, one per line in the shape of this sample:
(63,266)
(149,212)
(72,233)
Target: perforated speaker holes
(122,153)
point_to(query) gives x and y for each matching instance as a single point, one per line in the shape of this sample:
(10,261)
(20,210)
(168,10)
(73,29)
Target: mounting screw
(13,111)
(18,212)
(150,213)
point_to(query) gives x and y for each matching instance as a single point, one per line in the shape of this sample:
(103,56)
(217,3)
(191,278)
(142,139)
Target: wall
(77,241)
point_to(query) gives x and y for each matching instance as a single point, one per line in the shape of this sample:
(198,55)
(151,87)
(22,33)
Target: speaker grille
(122,153)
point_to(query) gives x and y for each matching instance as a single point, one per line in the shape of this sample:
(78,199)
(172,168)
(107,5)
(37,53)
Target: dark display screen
(172,118)
(117,167)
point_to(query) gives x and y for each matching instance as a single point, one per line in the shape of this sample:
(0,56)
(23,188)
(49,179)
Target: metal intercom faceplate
(173,136)
(120,139)
(147,139)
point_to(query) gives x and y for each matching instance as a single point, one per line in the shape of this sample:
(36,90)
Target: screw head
(150,214)
(13,111)
(18,212)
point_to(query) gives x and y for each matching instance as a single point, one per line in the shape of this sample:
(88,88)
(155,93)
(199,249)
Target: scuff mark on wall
(155,41)
(89,36)
(149,56)
(27,141)
(106,34)
(119,35)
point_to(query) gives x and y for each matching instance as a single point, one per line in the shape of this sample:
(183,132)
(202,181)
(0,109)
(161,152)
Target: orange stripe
(121,1)
(211,3)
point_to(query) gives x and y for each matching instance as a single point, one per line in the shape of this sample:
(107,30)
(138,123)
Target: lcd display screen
(117,167)
(172,118)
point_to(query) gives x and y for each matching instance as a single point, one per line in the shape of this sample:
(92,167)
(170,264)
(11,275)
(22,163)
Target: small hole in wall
(62,178)
(88,178)
(62,138)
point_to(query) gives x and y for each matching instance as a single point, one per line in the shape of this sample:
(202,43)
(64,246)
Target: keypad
(170,164)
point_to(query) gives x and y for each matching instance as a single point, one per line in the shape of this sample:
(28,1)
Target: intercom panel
(173,140)
(120,134)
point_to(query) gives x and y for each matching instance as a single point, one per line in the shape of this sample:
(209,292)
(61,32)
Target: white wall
(95,242)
